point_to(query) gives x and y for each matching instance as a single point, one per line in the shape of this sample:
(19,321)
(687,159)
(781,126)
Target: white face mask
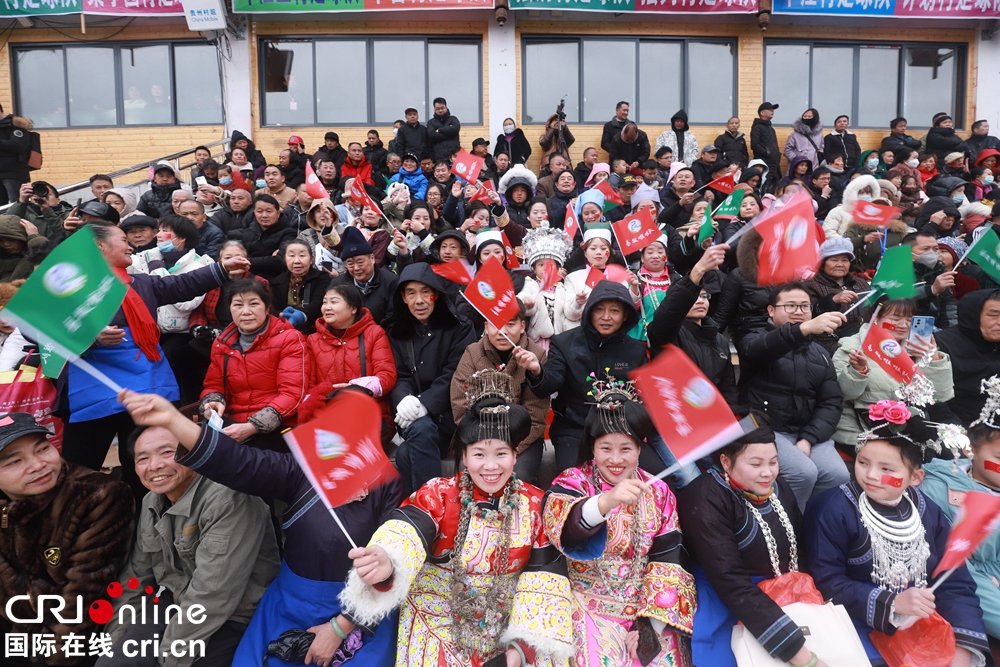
(508,129)
(395,131)
(912,164)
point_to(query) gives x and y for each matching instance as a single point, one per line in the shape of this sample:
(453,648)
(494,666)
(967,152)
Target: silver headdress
(546,242)
(610,396)
(990,414)
(494,422)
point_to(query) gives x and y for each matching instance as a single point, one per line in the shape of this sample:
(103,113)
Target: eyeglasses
(792,307)
(704,297)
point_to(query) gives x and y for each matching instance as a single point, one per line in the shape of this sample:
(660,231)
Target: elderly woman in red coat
(350,348)
(258,372)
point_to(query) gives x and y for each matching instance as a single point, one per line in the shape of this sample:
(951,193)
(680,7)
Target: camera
(560,113)
(40,190)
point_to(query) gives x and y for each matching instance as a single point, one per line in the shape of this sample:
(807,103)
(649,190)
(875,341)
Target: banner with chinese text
(298,6)
(644,6)
(935,9)
(15,8)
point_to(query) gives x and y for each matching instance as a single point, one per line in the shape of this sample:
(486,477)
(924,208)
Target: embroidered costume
(631,565)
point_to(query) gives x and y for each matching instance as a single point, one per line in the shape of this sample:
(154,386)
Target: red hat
(295,140)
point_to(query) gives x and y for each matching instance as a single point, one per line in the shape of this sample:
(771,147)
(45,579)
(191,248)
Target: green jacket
(49,221)
(946,483)
(860,391)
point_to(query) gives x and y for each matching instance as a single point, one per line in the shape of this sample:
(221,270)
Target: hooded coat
(575,354)
(129,197)
(427,355)
(867,255)
(517,175)
(790,377)
(977,144)
(839,219)
(743,303)
(935,204)
(973,358)
(15,148)
(16,266)
(704,343)
(517,147)
(686,151)
(155,202)
(254,156)
(87,522)
(805,140)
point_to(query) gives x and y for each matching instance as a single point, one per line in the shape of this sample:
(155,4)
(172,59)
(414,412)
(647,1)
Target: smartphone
(328,265)
(921,325)
(201,180)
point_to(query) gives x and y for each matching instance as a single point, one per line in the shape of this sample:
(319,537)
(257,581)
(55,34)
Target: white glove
(409,410)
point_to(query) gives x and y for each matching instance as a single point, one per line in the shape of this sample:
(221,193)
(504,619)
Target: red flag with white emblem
(314,188)
(791,240)
(884,350)
(880,215)
(976,519)
(456,271)
(340,450)
(467,166)
(636,231)
(492,294)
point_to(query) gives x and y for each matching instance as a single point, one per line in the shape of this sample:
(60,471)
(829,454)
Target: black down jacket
(973,358)
(791,378)
(575,354)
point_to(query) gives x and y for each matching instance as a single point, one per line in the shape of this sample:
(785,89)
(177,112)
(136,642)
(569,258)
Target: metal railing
(142,185)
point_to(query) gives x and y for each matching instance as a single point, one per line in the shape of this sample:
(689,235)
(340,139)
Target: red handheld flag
(456,271)
(314,188)
(340,450)
(360,194)
(975,520)
(492,294)
(594,276)
(882,348)
(612,272)
(636,231)
(688,410)
(791,240)
(610,196)
(572,225)
(725,184)
(467,166)
(880,215)
(482,193)
(512,261)
(239,183)
(551,275)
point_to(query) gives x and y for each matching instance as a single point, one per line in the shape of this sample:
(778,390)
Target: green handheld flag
(986,253)
(895,275)
(731,205)
(68,300)
(707,229)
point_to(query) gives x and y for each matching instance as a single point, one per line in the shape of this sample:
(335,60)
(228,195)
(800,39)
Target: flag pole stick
(969,249)
(342,528)
(674,468)
(860,300)
(942,578)
(86,367)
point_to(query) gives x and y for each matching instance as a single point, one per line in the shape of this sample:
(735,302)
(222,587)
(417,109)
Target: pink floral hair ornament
(894,412)
(895,420)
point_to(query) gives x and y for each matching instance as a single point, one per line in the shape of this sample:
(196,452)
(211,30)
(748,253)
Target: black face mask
(811,122)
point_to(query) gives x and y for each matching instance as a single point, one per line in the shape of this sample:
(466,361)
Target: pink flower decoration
(666,599)
(893,412)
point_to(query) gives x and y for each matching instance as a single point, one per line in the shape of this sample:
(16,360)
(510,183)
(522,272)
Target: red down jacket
(337,359)
(273,372)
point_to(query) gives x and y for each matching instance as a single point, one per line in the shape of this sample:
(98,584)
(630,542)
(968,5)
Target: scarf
(144,329)
(748,494)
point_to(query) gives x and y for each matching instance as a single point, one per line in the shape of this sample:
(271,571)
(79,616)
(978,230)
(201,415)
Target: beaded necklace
(479,616)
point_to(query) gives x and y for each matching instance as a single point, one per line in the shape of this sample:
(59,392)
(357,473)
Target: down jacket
(575,354)
(156,201)
(687,153)
(791,378)
(338,359)
(427,356)
(743,303)
(87,519)
(313,290)
(704,343)
(805,141)
(261,244)
(838,220)
(270,375)
(973,358)
(442,136)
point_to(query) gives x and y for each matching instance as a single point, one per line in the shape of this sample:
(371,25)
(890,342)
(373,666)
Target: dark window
(167,83)
(655,76)
(872,82)
(412,71)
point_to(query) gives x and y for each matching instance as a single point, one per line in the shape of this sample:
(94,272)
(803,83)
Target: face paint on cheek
(888,326)
(991,466)
(432,298)
(895,482)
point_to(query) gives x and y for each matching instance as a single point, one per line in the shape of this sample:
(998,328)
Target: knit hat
(836,246)
(11,229)
(354,244)
(674,168)
(596,169)
(953,245)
